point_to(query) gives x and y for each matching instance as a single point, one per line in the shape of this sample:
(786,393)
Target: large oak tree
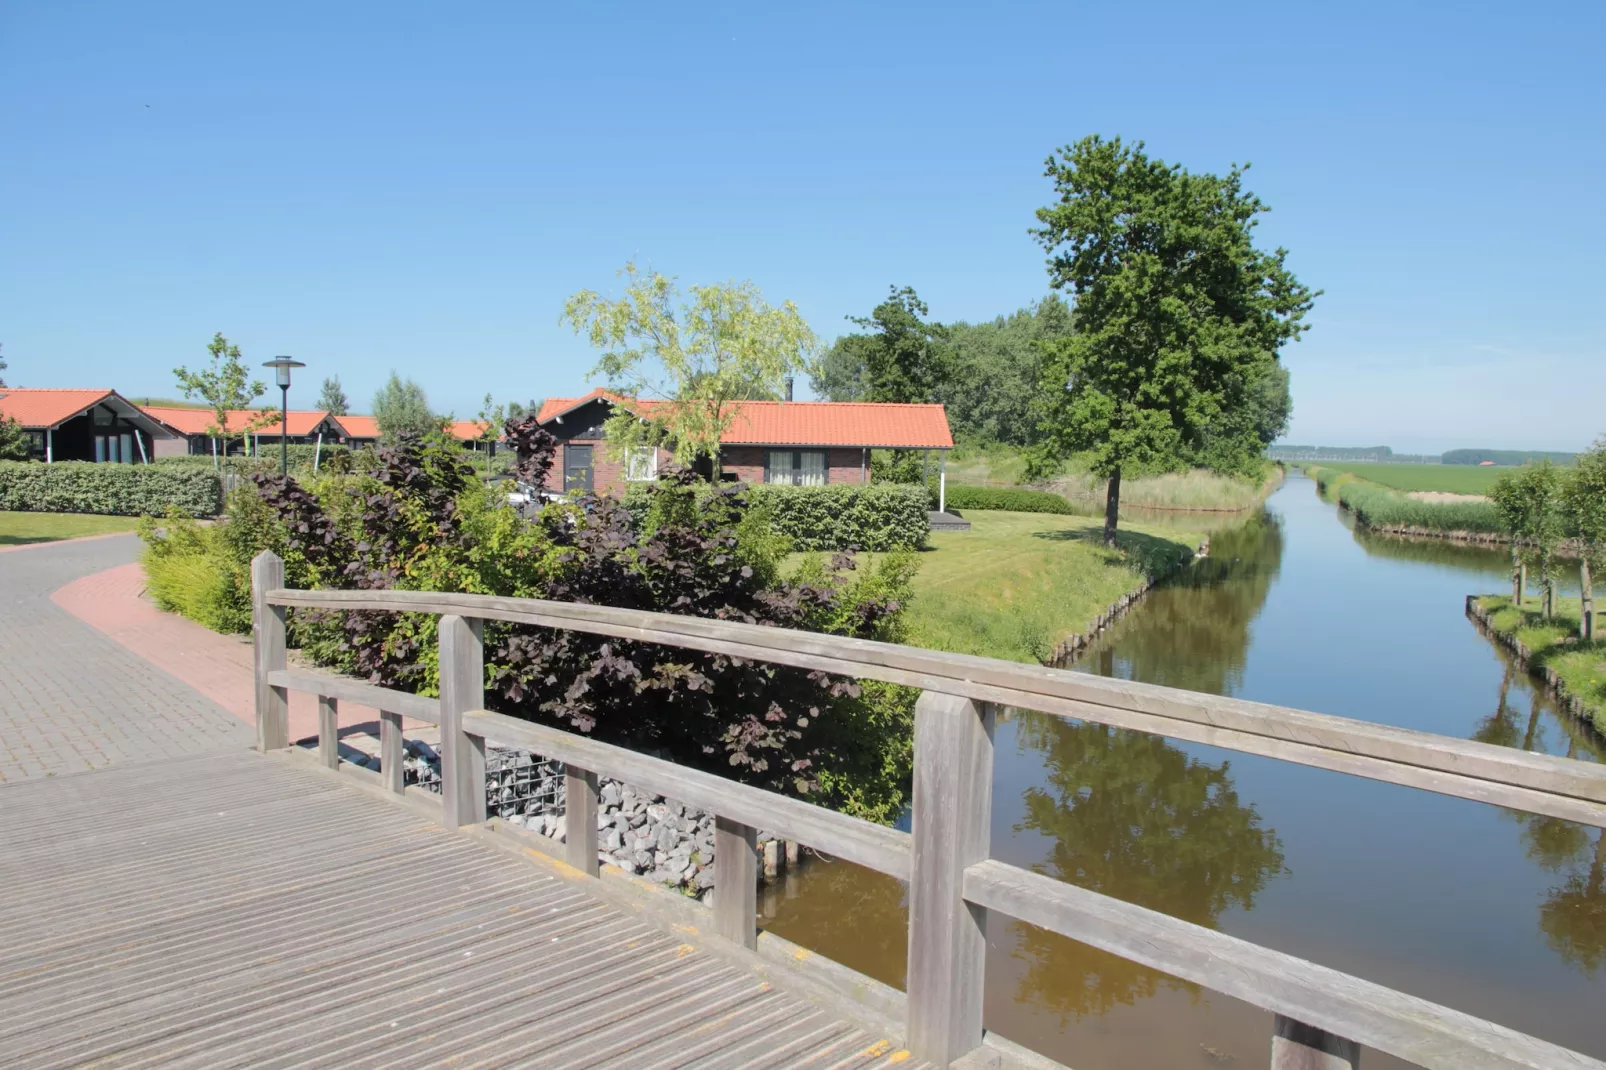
(1179,317)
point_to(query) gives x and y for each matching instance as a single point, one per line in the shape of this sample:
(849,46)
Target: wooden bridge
(257,910)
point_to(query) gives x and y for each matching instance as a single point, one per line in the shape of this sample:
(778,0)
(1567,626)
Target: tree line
(1167,358)
(1541,506)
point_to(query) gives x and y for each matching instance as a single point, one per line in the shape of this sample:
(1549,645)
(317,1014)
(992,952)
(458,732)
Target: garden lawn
(1446,478)
(19,528)
(1016,584)
(1554,644)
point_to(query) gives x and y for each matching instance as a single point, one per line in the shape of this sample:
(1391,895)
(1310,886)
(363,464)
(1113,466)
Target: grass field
(19,528)
(1446,478)
(1554,644)
(1016,584)
(1197,490)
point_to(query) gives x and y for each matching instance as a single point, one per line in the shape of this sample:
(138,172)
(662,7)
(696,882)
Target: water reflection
(1192,631)
(1572,914)
(1131,816)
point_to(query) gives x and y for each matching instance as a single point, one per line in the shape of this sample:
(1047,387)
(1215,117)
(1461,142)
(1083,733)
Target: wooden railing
(1323,1017)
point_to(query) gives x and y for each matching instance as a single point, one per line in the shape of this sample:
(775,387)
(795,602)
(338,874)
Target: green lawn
(1447,478)
(1554,644)
(1017,584)
(19,528)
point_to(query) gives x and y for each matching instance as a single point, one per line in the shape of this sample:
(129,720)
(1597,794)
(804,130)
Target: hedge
(839,516)
(110,489)
(1011,499)
(301,456)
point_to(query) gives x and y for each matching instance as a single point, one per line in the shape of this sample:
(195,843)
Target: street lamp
(281,374)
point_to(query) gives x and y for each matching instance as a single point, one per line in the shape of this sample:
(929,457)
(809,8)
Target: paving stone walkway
(71,699)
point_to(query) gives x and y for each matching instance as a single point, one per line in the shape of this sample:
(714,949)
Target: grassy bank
(1017,584)
(1554,645)
(1431,478)
(1378,506)
(17,529)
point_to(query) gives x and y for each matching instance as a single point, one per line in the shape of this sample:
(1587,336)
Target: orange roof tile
(809,423)
(37,407)
(358,426)
(468,430)
(196,421)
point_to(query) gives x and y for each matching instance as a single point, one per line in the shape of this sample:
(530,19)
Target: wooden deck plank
(231,910)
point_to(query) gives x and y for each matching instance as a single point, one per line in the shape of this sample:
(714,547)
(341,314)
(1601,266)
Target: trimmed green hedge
(110,489)
(1011,499)
(875,516)
(301,456)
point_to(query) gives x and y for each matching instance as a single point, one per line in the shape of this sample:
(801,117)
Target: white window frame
(634,464)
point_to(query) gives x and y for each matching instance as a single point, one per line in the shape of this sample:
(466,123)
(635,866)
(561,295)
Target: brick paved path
(70,698)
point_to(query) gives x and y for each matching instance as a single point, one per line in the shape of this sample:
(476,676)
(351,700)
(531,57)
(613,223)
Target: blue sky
(418,186)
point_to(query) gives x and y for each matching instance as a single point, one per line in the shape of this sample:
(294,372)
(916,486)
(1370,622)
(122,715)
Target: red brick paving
(218,666)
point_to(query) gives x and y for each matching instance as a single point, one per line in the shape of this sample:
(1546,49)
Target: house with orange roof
(85,425)
(192,428)
(801,443)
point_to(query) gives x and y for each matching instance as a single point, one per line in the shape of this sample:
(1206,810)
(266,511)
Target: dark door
(577,471)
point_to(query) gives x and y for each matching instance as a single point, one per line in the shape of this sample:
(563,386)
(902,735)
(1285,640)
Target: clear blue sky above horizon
(417,187)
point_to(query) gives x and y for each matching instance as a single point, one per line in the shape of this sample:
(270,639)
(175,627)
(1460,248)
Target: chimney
(788,388)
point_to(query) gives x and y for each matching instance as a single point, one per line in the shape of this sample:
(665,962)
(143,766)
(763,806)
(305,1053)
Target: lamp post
(281,374)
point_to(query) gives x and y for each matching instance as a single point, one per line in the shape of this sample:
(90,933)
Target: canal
(1491,912)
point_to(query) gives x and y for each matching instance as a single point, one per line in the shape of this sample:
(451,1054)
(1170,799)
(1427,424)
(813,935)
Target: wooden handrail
(1321,1013)
(1536,783)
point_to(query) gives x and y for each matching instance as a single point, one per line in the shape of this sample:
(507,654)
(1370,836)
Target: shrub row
(874,516)
(1378,507)
(1012,499)
(301,456)
(110,489)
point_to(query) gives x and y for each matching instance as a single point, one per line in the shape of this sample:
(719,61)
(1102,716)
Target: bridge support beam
(953,787)
(462,655)
(1297,1046)
(267,646)
(736,882)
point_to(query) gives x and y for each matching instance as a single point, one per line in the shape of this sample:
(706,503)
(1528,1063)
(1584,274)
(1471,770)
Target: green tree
(902,354)
(1255,412)
(703,356)
(333,399)
(517,411)
(1529,505)
(2,365)
(989,372)
(1583,498)
(14,442)
(226,386)
(1176,310)
(843,372)
(402,406)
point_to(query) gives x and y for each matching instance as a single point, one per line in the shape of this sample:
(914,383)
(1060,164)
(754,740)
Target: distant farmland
(1446,478)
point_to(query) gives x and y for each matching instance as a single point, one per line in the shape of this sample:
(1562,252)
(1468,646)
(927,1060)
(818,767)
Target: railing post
(267,643)
(390,751)
(953,784)
(462,658)
(580,818)
(1297,1046)
(329,731)
(736,882)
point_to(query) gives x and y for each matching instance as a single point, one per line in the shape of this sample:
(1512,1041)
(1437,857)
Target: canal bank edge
(1591,717)
(1067,650)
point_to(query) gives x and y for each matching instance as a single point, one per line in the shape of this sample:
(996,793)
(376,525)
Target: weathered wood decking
(241,910)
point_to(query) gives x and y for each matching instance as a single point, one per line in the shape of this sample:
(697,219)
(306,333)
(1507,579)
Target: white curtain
(811,470)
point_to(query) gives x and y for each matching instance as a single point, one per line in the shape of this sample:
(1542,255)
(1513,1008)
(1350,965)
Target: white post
(144,458)
(214,453)
(317,452)
(942,483)
(50,445)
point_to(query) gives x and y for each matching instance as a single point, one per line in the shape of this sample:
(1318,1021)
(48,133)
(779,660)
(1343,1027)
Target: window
(641,464)
(799,468)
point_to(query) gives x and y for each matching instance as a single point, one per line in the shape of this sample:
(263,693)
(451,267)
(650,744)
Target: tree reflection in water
(1193,630)
(1573,913)
(1134,817)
